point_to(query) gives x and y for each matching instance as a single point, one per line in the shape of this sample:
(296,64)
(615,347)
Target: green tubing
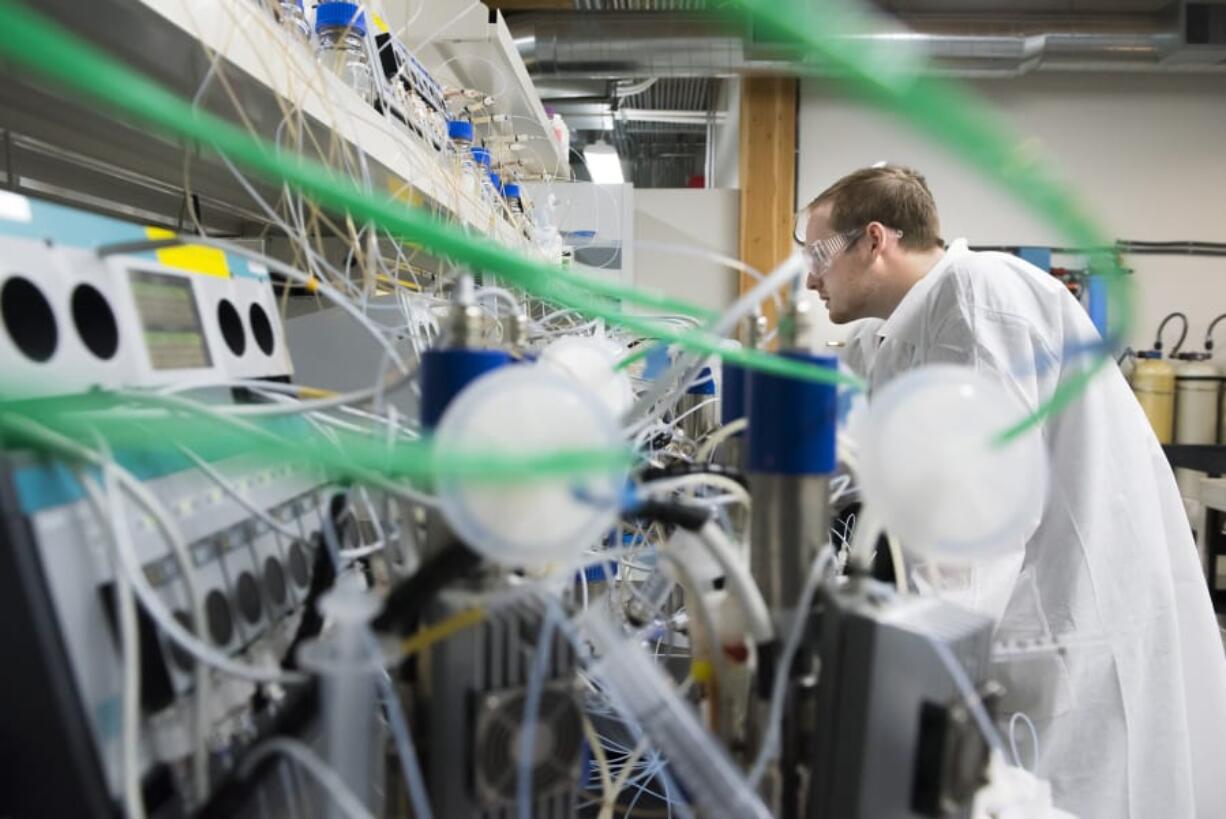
(956,120)
(138,433)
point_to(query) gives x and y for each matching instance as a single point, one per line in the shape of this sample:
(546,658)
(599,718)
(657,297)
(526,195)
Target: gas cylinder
(1196,399)
(1221,439)
(1197,383)
(1153,382)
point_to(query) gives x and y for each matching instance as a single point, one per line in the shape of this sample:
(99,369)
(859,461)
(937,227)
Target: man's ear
(876,236)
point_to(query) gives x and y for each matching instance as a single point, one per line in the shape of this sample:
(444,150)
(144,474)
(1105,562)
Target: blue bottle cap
(496,181)
(510,190)
(329,15)
(460,129)
(703,384)
(482,156)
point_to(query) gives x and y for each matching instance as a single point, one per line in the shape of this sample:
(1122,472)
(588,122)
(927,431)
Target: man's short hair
(893,195)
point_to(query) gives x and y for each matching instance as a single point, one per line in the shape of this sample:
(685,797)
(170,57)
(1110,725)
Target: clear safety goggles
(820,255)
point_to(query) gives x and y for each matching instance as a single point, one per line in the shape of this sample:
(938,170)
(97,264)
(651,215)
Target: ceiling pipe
(680,44)
(631,88)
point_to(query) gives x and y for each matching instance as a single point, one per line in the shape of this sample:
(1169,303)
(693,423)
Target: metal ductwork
(686,44)
(625,44)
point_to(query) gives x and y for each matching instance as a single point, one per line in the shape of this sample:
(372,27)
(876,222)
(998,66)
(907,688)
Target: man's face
(841,283)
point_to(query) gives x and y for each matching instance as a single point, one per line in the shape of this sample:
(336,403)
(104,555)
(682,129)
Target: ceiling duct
(609,45)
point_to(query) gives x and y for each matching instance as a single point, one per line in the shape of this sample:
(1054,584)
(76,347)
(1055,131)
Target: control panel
(75,319)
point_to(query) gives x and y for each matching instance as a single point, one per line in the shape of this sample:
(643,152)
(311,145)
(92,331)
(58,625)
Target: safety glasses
(820,255)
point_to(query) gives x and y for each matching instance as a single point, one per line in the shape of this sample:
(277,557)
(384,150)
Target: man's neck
(911,268)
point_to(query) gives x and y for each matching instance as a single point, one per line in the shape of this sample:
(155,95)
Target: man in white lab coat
(1131,711)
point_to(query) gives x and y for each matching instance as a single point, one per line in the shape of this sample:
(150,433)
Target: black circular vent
(274,581)
(28,319)
(95,321)
(221,622)
(248,593)
(261,328)
(231,325)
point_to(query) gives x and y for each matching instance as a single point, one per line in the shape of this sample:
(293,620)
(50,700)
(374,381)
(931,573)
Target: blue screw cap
(347,15)
(460,129)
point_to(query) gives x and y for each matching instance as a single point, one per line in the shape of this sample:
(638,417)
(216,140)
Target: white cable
(840,485)
(121,537)
(190,385)
(499,293)
(740,582)
(686,366)
(774,719)
(331,781)
(314,405)
(130,562)
(900,567)
(969,695)
(229,488)
(402,738)
(394,426)
(864,540)
(698,479)
(1034,741)
(719,436)
(208,411)
(129,636)
(706,403)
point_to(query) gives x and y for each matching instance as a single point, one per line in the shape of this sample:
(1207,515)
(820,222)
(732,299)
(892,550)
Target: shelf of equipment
(235,59)
(474,49)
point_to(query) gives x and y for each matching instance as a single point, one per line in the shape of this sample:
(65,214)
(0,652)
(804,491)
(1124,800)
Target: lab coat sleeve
(1002,347)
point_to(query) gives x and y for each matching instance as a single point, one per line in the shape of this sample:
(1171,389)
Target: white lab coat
(1131,716)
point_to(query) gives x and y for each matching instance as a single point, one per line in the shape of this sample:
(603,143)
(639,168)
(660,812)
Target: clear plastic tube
(348,672)
(638,687)
(499,293)
(405,750)
(774,719)
(531,714)
(134,804)
(686,367)
(342,798)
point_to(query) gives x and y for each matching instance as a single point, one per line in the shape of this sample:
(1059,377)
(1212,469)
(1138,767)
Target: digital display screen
(171,321)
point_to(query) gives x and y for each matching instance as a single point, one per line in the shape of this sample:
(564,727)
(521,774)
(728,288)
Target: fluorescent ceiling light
(603,163)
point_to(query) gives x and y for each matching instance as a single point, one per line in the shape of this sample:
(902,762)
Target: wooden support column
(767,174)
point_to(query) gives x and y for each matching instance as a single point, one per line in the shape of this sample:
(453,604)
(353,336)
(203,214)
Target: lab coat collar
(913,302)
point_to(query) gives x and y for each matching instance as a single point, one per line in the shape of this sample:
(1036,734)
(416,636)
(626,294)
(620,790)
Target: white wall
(606,210)
(1146,154)
(707,219)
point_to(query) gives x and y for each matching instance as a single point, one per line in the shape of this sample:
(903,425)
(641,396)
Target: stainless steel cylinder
(791,522)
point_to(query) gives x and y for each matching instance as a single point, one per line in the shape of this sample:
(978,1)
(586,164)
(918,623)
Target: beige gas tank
(1153,382)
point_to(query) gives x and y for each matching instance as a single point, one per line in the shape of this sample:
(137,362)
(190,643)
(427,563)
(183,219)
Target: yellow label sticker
(379,24)
(404,192)
(207,261)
